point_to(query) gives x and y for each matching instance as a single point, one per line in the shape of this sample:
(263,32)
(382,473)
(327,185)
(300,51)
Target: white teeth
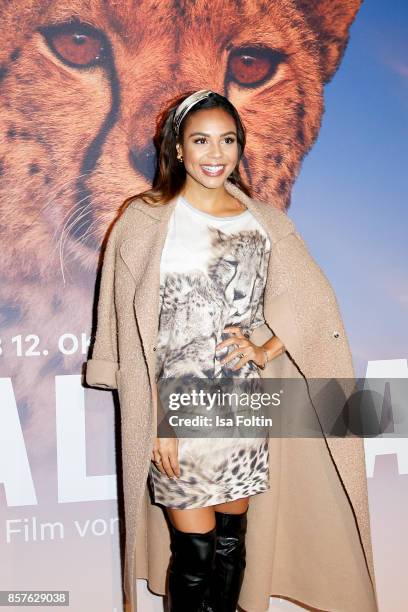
(212,168)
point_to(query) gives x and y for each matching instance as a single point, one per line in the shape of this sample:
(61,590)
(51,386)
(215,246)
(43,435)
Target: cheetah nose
(238,295)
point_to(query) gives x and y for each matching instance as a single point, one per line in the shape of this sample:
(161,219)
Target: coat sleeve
(101,369)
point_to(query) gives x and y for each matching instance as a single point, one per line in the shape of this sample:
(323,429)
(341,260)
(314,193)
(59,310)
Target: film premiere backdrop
(322,87)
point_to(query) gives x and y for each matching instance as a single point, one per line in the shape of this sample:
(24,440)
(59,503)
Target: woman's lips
(212,170)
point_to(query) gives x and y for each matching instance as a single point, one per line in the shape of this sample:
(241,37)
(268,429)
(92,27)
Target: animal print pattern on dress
(212,275)
(196,306)
(213,471)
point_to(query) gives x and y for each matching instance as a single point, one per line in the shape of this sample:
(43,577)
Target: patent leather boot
(230,562)
(190,569)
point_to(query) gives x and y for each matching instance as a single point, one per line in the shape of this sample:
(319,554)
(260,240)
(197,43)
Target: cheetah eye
(76,44)
(232,263)
(252,66)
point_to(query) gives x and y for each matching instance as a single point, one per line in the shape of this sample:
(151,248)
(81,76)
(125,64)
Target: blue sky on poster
(350,198)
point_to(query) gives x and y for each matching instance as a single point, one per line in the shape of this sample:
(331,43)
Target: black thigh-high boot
(190,569)
(230,562)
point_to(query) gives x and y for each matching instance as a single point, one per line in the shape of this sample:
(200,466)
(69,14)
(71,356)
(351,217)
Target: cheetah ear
(217,234)
(330,20)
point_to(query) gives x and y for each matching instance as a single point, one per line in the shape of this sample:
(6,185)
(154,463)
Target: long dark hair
(170,173)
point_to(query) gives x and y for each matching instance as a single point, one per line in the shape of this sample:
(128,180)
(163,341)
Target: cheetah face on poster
(82,83)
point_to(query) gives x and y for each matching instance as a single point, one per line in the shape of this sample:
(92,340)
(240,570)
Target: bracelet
(266,359)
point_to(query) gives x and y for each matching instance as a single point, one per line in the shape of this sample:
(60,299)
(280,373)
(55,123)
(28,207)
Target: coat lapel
(142,253)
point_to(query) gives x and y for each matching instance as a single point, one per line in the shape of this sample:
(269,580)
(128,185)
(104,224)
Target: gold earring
(180,158)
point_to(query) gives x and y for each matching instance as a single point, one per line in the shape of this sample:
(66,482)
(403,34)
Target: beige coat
(308,537)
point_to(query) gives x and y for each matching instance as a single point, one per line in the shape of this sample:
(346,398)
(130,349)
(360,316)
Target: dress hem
(215,501)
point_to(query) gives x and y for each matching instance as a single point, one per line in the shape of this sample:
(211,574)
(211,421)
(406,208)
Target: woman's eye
(76,44)
(229,138)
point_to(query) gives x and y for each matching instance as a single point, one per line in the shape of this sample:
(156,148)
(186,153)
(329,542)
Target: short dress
(212,274)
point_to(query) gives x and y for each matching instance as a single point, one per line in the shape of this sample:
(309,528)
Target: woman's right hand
(165,456)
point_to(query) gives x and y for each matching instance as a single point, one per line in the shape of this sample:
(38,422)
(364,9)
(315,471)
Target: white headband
(186,104)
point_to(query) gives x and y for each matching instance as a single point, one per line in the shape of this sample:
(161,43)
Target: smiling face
(209,147)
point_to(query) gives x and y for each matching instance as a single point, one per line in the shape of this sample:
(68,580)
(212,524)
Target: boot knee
(190,569)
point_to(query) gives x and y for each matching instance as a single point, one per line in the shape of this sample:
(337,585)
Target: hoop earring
(180,159)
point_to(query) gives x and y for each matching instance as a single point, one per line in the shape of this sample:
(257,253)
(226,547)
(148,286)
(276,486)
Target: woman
(213,273)
(203,247)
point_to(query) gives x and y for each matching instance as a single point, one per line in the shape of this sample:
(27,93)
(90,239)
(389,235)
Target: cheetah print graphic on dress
(212,276)
(193,307)
(240,258)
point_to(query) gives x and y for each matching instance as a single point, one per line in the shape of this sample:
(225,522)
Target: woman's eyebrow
(204,134)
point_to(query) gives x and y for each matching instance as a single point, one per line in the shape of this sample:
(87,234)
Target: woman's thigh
(195,520)
(234,507)
(201,520)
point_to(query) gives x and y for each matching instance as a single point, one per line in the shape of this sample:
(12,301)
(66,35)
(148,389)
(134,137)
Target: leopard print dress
(212,275)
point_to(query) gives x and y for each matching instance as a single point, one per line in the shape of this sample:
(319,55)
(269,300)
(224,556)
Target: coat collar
(146,232)
(275,222)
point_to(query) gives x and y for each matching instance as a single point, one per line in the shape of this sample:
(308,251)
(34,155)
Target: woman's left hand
(250,351)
